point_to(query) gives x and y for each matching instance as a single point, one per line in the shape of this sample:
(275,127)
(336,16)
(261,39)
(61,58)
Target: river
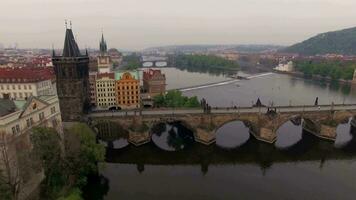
(297,166)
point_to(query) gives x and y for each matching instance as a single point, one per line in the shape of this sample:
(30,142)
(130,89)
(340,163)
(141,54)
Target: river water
(297,166)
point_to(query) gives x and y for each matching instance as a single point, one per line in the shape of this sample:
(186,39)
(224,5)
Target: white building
(17,118)
(285,67)
(21,83)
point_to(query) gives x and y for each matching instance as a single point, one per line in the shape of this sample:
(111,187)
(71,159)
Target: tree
(48,151)
(174,98)
(66,164)
(82,153)
(15,169)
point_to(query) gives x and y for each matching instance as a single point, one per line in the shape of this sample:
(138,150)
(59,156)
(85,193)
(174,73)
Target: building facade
(105,90)
(285,67)
(72,76)
(17,118)
(21,83)
(154,82)
(128,90)
(92,88)
(104,61)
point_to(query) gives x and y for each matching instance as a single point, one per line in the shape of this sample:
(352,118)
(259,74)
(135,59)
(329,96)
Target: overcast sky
(136,24)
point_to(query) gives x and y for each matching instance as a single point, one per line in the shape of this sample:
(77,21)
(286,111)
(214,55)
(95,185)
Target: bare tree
(10,176)
(14,168)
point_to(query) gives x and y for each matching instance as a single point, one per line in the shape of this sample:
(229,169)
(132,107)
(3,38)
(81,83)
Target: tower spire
(71,48)
(53,52)
(103,46)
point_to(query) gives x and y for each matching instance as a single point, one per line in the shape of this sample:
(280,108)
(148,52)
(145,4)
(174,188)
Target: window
(19,87)
(13,130)
(28,123)
(53,110)
(25,87)
(29,87)
(41,116)
(17,128)
(13,87)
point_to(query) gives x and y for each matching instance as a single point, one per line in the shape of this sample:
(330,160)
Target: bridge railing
(323,106)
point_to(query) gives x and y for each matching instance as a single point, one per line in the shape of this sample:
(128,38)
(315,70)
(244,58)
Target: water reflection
(343,134)
(97,188)
(232,135)
(112,135)
(288,135)
(172,136)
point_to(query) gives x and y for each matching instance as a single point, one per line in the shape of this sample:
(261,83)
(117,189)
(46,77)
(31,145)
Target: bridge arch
(112,134)
(232,134)
(172,135)
(289,133)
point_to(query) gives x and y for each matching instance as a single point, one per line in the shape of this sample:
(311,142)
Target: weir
(227,82)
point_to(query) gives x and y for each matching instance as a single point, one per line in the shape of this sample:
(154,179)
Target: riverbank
(314,77)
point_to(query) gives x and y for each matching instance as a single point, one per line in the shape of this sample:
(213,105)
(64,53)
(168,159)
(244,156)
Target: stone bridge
(263,125)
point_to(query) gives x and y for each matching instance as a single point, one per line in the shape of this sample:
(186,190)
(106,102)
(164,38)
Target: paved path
(281,109)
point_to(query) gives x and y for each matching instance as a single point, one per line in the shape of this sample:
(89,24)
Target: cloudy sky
(136,24)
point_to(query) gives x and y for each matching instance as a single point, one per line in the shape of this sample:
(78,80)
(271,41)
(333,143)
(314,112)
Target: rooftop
(148,74)
(26,74)
(119,74)
(106,75)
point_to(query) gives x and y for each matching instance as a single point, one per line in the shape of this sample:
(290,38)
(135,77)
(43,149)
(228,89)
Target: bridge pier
(323,131)
(265,135)
(138,139)
(204,137)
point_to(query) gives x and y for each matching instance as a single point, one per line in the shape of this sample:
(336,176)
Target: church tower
(104,61)
(72,76)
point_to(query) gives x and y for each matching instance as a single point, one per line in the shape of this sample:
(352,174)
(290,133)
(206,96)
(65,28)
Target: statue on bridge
(258,103)
(316,101)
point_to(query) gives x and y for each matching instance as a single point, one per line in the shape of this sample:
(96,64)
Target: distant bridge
(263,123)
(154,61)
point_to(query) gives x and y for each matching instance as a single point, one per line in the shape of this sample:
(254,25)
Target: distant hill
(339,42)
(253,48)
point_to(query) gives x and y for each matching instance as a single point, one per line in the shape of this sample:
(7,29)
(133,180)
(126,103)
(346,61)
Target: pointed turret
(103,46)
(71,48)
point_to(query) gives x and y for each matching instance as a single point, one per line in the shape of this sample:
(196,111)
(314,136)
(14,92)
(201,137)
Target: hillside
(252,48)
(339,42)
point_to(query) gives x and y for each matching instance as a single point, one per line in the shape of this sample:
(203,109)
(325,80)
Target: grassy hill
(339,42)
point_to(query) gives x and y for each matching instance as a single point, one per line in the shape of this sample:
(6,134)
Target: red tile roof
(104,75)
(148,74)
(26,74)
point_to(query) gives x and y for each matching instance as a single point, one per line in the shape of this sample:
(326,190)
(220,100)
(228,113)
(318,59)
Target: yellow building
(128,90)
(105,90)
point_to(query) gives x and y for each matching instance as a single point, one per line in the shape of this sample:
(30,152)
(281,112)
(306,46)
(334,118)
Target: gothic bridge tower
(72,78)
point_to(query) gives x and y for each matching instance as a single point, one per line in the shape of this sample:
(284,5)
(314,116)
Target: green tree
(48,151)
(174,98)
(82,153)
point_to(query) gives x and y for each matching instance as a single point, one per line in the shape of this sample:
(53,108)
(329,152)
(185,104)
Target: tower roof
(103,46)
(71,48)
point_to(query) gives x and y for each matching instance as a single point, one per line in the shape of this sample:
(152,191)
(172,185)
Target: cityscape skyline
(136,25)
